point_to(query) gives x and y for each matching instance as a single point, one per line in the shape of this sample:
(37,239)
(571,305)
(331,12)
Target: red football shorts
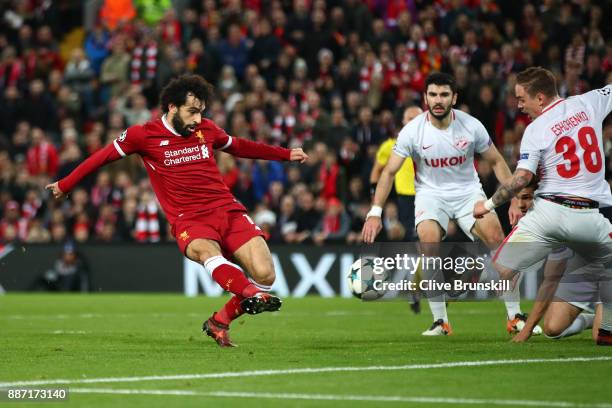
(230,228)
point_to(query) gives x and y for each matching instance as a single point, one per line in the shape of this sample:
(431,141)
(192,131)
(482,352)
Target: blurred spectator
(126,221)
(286,225)
(594,74)
(485,109)
(234,51)
(331,177)
(68,274)
(393,228)
(137,112)
(147,228)
(39,107)
(11,110)
(265,172)
(365,133)
(13,227)
(307,217)
(78,76)
(114,72)
(334,224)
(152,11)
(115,12)
(12,70)
(37,233)
(96,47)
(42,157)
(206,63)
(265,49)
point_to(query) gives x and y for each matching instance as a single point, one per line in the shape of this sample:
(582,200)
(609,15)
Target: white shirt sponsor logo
(185,155)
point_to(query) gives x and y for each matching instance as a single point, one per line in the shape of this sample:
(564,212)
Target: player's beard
(443,115)
(180,126)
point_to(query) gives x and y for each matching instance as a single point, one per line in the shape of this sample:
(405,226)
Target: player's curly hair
(538,80)
(176,91)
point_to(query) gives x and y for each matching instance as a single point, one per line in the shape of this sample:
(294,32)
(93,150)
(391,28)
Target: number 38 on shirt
(591,154)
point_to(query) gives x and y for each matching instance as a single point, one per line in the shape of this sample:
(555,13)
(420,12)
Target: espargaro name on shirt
(185,155)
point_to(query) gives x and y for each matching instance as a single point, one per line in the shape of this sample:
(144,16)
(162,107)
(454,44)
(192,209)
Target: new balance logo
(164,143)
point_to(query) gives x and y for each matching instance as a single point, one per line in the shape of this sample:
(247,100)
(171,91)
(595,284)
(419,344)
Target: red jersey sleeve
(130,141)
(240,147)
(127,143)
(105,155)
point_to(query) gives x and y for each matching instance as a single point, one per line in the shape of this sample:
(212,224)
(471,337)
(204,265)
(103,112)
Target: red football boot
(218,331)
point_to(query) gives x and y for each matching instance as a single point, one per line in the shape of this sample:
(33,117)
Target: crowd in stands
(333,76)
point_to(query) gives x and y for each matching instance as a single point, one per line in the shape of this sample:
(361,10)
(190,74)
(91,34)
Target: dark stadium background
(331,76)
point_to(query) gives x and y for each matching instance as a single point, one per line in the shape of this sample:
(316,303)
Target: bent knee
(552,329)
(200,251)
(266,278)
(264,275)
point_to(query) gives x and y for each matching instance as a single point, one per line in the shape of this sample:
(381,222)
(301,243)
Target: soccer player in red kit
(209,224)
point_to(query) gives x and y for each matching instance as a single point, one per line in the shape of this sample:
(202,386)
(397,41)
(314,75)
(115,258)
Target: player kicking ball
(442,142)
(209,224)
(564,145)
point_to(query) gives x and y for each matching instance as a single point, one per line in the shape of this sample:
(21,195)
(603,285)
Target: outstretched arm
(240,147)
(98,159)
(520,180)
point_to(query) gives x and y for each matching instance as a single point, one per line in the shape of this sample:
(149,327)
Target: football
(361,279)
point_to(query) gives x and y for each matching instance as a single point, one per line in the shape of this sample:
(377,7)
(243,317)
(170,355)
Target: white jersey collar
(553,103)
(168,126)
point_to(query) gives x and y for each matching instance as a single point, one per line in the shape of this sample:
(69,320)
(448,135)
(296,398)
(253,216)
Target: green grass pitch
(104,345)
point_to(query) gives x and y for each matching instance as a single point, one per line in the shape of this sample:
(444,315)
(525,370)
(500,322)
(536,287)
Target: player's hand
(514,212)
(371,228)
(54,187)
(523,335)
(298,154)
(480,210)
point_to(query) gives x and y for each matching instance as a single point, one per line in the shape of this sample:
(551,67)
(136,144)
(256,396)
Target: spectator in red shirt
(41,158)
(12,226)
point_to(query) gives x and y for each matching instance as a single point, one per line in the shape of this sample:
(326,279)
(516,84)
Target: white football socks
(581,322)
(438,308)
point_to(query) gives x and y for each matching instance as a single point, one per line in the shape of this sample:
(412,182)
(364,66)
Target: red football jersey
(183,170)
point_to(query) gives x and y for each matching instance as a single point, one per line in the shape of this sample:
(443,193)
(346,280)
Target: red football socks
(231,279)
(230,311)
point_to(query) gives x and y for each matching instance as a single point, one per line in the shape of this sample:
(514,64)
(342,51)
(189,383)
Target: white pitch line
(362,398)
(234,374)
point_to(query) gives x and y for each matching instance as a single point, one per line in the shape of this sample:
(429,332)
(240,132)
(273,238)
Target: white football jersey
(564,147)
(444,159)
